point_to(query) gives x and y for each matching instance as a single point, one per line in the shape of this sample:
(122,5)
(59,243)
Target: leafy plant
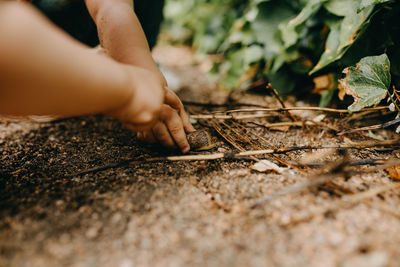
(368,82)
(291,42)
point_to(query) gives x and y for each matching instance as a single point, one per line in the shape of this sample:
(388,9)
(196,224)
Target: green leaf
(253,54)
(233,69)
(265,25)
(368,3)
(342,35)
(332,43)
(367,82)
(291,30)
(342,7)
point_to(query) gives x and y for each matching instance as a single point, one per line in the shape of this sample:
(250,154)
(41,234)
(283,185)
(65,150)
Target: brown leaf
(323,83)
(344,88)
(394,172)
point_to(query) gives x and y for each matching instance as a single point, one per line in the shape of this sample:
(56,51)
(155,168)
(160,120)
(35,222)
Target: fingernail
(186,149)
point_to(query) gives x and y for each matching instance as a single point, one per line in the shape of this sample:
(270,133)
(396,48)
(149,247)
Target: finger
(149,137)
(173,100)
(161,133)
(177,131)
(186,122)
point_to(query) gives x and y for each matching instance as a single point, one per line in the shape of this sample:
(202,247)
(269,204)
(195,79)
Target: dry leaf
(324,83)
(394,172)
(316,156)
(319,118)
(266,165)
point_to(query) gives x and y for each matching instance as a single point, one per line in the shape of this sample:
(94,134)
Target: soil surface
(191,213)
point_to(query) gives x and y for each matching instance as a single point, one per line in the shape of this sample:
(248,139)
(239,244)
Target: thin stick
(280,160)
(229,117)
(213,105)
(227,137)
(305,108)
(229,155)
(276,94)
(251,116)
(367,128)
(350,163)
(372,127)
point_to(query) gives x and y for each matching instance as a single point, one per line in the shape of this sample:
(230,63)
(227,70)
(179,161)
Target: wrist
(123,90)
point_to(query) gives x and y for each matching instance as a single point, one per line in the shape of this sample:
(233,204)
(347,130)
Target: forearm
(120,32)
(43,71)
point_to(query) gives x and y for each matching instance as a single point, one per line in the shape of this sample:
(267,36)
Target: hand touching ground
(172,126)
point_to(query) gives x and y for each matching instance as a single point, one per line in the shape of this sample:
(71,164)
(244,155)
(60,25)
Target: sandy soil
(192,213)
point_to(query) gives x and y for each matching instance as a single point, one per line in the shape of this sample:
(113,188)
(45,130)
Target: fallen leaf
(324,83)
(394,172)
(266,165)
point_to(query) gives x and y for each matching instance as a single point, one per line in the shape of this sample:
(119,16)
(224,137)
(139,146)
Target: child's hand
(173,124)
(142,111)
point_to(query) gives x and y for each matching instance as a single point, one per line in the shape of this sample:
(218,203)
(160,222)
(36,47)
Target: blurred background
(296,45)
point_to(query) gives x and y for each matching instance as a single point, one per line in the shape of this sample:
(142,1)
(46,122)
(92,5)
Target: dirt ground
(192,213)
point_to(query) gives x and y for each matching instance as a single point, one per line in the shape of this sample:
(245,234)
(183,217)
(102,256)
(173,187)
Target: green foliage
(368,82)
(287,41)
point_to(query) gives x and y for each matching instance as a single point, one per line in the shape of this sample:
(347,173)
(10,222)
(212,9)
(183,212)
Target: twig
(366,128)
(372,127)
(305,108)
(249,116)
(390,123)
(366,115)
(391,98)
(228,117)
(239,155)
(280,100)
(225,136)
(336,170)
(214,105)
(280,160)
(350,163)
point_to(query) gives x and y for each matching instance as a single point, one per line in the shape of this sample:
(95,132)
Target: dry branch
(231,155)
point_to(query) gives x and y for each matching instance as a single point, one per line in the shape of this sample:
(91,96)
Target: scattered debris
(266,165)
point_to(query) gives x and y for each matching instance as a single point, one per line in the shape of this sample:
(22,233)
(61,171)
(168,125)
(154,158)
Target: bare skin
(64,77)
(122,38)
(44,71)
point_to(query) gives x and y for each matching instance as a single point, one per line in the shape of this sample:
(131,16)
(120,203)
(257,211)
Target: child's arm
(121,33)
(43,71)
(122,37)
